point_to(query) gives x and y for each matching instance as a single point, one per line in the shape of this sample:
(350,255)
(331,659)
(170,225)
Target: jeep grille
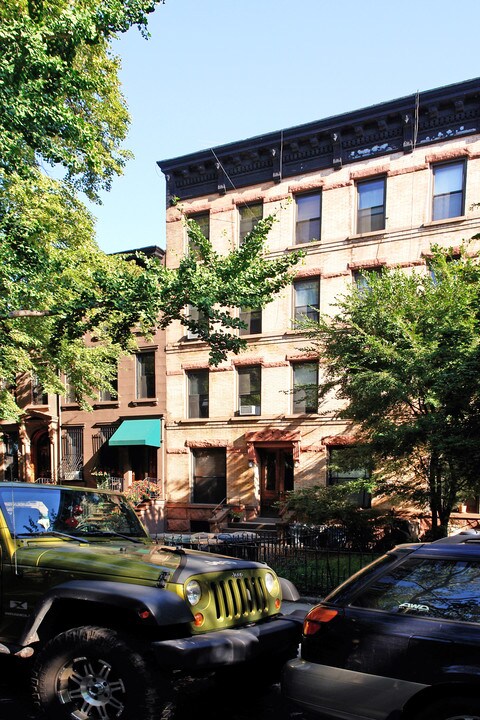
(239,597)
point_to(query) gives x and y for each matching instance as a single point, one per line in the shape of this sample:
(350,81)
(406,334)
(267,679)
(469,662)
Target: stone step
(251,525)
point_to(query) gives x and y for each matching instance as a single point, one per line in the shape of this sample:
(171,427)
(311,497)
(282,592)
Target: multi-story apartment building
(118,441)
(368,189)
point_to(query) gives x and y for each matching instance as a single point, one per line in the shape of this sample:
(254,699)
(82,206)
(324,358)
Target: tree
(65,306)
(60,99)
(402,356)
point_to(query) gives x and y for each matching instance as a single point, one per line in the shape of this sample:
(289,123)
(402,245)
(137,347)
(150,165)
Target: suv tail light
(316,618)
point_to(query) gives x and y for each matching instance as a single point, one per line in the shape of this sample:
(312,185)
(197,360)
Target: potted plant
(102,478)
(235,515)
(141,490)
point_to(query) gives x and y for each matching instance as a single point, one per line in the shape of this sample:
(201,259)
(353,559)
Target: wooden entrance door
(276,477)
(41,456)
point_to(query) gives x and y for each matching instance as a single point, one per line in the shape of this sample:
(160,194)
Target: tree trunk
(438,528)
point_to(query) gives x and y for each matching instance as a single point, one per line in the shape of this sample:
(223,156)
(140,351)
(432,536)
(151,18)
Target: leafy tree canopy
(60,99)
(57,289)
(403,356)
(65,306)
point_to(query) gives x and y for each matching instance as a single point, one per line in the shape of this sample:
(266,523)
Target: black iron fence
(314,568)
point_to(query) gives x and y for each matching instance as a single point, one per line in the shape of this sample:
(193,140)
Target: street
(194,697)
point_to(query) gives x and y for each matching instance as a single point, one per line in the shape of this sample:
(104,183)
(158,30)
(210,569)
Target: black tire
(93,673)
(451,708)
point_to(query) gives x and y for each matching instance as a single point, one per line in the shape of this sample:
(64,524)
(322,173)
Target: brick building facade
(368,189)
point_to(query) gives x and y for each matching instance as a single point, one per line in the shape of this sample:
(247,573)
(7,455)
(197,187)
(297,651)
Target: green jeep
(111,618)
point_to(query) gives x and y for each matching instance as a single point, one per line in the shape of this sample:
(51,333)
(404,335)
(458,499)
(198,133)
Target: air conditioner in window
(249,410)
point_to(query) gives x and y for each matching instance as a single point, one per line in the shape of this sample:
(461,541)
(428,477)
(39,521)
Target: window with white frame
(307,299)
(305,387)
(448,190)
(371,205)
(249,216)
(308,214)
(198,394)
(249,390)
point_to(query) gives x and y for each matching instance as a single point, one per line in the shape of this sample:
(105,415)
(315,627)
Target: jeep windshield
(54,510)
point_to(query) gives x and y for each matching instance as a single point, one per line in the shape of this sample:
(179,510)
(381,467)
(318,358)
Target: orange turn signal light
(198,619)
(316,618)
(277,604)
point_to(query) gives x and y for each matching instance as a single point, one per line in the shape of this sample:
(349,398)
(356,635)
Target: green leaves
(218,285)
(404,356)
(64,305)
(60,98)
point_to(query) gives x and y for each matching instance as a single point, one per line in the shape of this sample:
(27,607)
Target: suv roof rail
(464,536)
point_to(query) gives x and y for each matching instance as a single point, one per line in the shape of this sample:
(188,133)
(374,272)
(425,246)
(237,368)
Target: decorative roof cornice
(395,126)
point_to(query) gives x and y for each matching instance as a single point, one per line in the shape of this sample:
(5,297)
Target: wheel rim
(89,685)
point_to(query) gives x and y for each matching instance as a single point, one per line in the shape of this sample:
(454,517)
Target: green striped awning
(138,432)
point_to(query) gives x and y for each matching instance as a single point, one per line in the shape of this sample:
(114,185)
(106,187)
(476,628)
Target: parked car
(399,639)
(109,617)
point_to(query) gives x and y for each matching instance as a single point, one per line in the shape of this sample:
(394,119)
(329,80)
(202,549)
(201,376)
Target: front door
(41,456)
(276,477)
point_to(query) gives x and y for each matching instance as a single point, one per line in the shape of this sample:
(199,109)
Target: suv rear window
(444,589)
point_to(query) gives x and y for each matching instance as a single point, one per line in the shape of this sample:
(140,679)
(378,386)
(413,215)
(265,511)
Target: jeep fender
(164,606)
(289,591)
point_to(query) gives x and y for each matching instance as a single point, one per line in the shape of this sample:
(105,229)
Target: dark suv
(400,639)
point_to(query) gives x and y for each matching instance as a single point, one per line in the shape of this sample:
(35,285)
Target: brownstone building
(119,441)
(368,189)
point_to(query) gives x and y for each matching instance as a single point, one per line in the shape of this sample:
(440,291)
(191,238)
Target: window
(308,210)
(72,453)
(305,387)
(198,394)
(344,465)
(198,317)
(145,375)
(249,390)
(209,475)
(203,221)
(39,396)
(249,217)
(70,396)
(361,278)
(436,588)
(448,190)
(106,395)
(307,299)
(371,205)
(253,321)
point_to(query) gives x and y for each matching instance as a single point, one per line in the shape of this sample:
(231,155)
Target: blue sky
(217,71)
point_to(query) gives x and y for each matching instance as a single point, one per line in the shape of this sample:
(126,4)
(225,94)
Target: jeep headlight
(193,592)
(271,583)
